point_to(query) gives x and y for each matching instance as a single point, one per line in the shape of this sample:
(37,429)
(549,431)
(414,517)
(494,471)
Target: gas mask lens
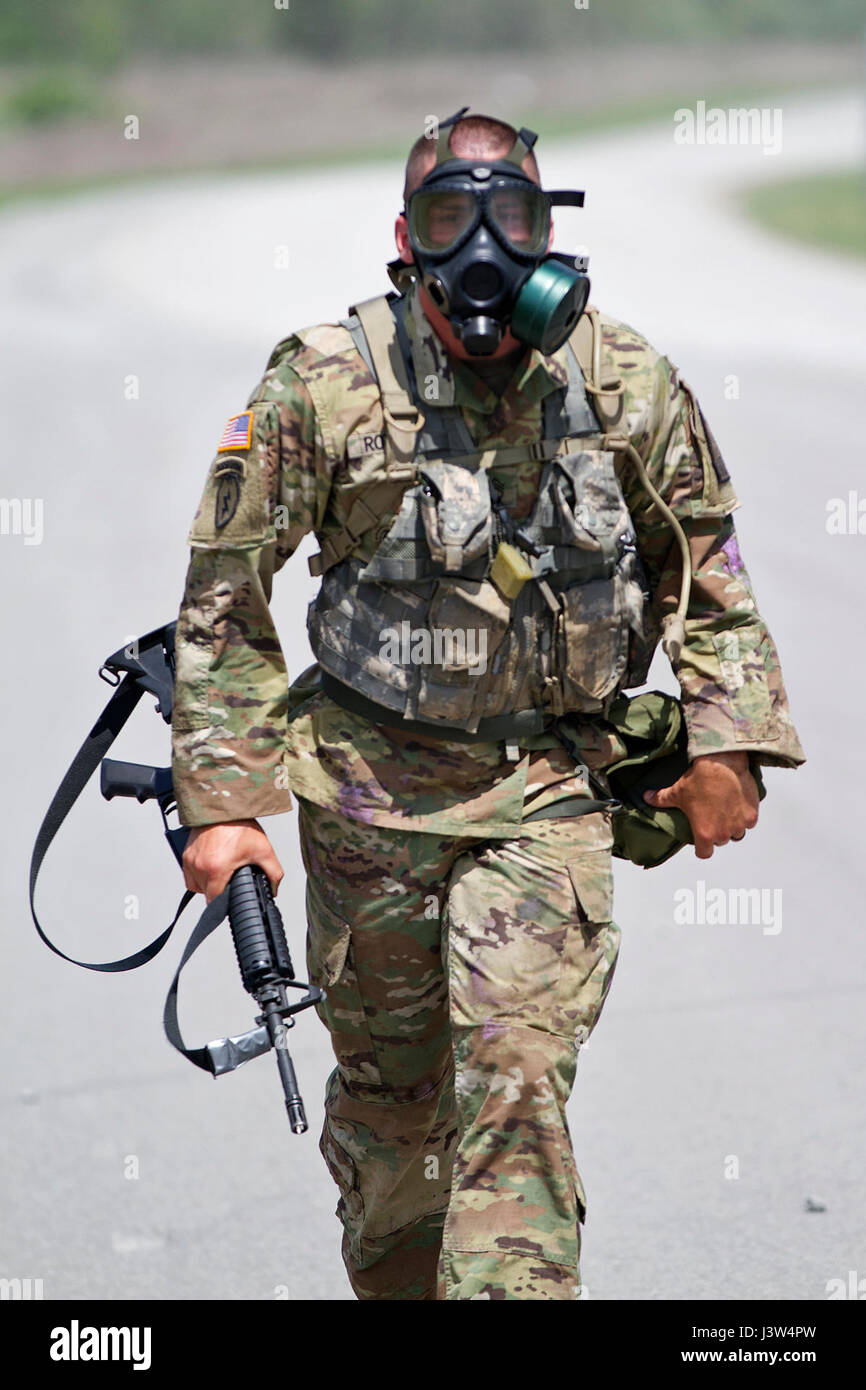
(439,219)
(522,216)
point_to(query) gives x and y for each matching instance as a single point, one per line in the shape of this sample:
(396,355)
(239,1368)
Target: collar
(535,375)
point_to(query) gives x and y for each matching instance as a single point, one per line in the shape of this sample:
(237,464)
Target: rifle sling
(94,748)
(81,769)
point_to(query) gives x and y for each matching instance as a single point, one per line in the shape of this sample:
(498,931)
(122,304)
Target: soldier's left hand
(719,796)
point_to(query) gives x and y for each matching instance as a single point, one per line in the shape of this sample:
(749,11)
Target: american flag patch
(237,432)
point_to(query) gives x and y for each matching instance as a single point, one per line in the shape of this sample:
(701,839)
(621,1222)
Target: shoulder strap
(403,419)
(408,430)
(374,333)
(352,324)
(444,433)
(569,411)
(605,388)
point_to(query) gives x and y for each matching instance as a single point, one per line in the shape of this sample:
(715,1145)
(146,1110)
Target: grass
(826,210)
(49,96)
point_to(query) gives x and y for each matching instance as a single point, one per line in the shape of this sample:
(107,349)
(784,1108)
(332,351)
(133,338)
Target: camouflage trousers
(461,976)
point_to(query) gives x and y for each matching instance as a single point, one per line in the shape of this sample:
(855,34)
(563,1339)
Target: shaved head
(474,137)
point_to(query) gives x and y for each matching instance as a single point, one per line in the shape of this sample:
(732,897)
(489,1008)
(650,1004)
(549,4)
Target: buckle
(408,418)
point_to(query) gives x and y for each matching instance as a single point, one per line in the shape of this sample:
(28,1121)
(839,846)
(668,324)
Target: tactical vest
(431,630)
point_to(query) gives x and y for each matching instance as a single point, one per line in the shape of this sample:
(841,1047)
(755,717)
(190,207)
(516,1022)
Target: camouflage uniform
(466,953)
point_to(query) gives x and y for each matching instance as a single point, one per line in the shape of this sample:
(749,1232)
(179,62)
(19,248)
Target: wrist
(738,761)
(224,825)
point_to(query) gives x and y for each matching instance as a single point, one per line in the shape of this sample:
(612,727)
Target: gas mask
(479,231)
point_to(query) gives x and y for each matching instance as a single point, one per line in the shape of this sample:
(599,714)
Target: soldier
(503,485)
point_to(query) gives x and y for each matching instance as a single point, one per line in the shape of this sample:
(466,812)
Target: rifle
(147,665)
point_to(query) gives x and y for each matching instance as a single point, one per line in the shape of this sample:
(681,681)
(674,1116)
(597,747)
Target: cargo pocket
(712,482)
(744,654)
(580,1198)
(592,882)
(333,1148)
(379,1156)
(467,621)
(591,943)
(331,966)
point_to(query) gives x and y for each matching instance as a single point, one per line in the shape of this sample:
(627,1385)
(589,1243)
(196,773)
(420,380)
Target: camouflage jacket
(293,463)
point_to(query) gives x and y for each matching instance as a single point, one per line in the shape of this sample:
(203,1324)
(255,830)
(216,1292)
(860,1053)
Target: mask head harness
(479,231)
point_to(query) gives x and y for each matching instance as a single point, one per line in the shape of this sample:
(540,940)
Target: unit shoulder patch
(228,494)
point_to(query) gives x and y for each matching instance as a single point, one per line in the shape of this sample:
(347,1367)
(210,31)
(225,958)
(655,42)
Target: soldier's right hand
(213,852)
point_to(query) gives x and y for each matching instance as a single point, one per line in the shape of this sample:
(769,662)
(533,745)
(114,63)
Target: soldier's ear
(401,236)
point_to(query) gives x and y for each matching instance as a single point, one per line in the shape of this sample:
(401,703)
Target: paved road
(725,1049)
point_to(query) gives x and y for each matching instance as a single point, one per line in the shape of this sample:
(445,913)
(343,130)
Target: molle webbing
(366,512)
(562,644)
(379,333)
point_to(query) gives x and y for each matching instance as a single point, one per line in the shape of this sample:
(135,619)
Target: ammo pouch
(652,731)
(444,525)
(455,508)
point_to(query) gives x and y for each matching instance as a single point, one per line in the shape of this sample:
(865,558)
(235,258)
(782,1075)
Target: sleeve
(730,678)
(267,487)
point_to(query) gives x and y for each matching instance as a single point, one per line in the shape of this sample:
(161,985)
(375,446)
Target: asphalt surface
(724,1048)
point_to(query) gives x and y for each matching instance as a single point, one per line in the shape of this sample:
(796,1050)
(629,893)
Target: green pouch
(653,732)
(303,688)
